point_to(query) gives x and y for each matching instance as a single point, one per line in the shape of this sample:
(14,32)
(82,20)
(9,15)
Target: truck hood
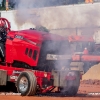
(38,35)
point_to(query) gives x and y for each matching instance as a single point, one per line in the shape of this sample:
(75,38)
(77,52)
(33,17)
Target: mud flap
(60,78)
(3,77)
(56,78)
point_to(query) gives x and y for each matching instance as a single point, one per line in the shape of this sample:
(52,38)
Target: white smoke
(25,9)
(23,14)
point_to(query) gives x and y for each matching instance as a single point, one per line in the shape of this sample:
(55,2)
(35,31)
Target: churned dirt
(90,82)
(46,98)
(86,87)
(89,86)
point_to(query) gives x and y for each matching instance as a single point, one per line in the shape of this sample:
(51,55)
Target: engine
(54,54)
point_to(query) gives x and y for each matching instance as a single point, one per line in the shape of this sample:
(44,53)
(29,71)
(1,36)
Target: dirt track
(86,86)
(46,98)
(84,89)
(82,95)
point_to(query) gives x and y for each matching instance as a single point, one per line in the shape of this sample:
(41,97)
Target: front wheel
(27,83)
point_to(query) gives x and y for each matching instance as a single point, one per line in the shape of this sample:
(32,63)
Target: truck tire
(27,83)
(72,85)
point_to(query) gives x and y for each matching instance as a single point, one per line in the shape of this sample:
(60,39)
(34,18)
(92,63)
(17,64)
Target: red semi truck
(36,62)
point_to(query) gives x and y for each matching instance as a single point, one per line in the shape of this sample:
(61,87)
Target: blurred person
(85,51)
(3,35)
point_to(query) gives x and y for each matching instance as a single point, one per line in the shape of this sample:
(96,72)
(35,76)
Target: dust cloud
(81,19)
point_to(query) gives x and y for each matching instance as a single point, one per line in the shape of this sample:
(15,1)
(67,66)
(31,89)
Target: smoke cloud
(85,17)
(91,24)
(70,16)
(23,14)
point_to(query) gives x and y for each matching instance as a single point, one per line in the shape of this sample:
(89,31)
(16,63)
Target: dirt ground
(46,98)
(86,86)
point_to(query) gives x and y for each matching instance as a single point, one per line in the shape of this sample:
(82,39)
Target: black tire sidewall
(73,85)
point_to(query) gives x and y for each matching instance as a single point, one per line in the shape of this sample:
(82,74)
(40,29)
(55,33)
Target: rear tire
(27,83)
(72,85)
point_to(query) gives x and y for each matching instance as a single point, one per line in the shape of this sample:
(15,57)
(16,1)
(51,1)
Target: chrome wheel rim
(23,84)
